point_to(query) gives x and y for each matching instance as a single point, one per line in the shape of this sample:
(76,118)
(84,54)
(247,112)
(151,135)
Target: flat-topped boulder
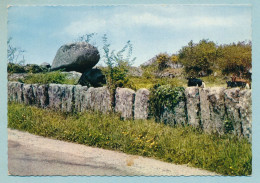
(79,57)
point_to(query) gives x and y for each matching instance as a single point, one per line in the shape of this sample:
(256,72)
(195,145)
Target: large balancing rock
(79,56)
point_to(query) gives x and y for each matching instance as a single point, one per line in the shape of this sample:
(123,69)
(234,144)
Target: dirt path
(34,155)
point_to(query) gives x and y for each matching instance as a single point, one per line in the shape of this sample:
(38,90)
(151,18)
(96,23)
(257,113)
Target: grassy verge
(226,155)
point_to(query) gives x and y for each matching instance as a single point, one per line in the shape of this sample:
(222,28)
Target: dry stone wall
(207,108)
(141,105)
(125,102)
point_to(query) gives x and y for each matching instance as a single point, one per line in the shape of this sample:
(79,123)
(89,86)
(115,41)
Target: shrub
(162,60)
(117,67)
(15,68)
(34,68)
(165,96)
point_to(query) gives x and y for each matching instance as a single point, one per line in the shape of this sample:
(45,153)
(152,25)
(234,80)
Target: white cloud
(121,21)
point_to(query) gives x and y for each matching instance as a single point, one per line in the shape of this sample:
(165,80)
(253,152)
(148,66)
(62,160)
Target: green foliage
(149,72)
(235,58)
(164,96)
(228,126)
(162,60)
(161,63)
(34,68)
(29,68)
(225,155)
(47,78)
(174,58)
(198,58)
(142,82)
(212,81)
(117,67)
(15,68)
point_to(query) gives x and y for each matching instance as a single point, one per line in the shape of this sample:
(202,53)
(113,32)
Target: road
(34,155)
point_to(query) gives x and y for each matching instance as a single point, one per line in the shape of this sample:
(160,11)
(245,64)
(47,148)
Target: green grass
(210,81)
(225,155)
(142,82)
(47,78)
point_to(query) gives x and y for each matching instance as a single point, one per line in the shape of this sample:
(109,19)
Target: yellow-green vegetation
(47,78)
(227,154)
(142,82)
(162,96)
(214,81)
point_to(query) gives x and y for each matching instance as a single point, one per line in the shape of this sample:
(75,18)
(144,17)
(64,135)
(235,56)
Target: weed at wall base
(225,155)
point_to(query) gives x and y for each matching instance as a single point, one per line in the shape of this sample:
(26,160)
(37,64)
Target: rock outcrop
(79,57)
(45,65)
(73,75)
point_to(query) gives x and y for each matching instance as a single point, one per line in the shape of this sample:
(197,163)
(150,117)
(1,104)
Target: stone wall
(210,109)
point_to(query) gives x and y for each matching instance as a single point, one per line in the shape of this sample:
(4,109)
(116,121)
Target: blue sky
(41,30)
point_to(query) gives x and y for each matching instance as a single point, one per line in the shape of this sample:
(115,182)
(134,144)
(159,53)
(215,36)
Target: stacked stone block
(207,108)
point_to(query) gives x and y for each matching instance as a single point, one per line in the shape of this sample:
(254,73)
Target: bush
(29,68)
(33,68)
(165,96)
(162,60)
(15,68)
(117,67)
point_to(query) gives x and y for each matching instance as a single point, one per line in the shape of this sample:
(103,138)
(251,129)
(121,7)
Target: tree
(198,59)
(14,54)
(15,58)
(117,66)
(235,58)
(162,60)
